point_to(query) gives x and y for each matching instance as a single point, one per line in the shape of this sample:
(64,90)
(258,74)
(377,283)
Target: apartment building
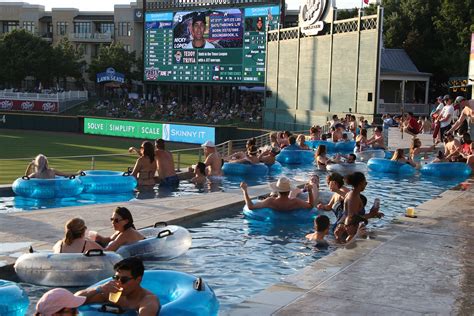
(87,30)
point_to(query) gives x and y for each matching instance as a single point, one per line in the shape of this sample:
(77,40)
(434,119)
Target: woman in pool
(300,141)
(145,166)
(362,139)
(321,158)
(251,156)
(125,232)
(399,156)
(42,170)
(335,183)
(416,150)
(74,238)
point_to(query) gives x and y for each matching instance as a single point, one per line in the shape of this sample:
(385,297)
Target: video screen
(218,45)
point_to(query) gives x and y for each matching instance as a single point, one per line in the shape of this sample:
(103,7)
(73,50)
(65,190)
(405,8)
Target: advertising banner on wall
(29,106)
(146,130)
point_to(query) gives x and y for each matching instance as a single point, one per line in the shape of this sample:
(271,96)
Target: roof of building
(397,61)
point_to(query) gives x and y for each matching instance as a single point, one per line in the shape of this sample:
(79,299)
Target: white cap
(208,144)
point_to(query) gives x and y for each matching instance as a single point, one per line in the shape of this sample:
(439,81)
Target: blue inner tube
(177,293)
(58,187)
(13,299)
(390,166)
(330,146)
(295,157)
(274,168)
(345,147)
(446,170)
(303,216)
(108,182)
(242,169)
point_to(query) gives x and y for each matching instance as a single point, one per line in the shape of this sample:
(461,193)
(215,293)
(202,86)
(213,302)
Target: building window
(9,26)
(49,29)
(61,28)
(124,29)
(128,48)
(106,28)
(82,27)
(29,26)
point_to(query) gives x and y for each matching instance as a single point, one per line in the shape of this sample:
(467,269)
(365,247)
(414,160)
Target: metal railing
(96,37)
(58,96)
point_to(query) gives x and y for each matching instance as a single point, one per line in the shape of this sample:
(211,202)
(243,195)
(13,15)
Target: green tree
(114,56)
(69,62)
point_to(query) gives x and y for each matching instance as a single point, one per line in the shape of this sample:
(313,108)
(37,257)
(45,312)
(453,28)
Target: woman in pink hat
(59,302)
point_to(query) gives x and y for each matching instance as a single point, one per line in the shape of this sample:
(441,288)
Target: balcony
(91,37)
(396,108)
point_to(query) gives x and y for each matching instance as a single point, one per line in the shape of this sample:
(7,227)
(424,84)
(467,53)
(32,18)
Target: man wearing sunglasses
(127,278)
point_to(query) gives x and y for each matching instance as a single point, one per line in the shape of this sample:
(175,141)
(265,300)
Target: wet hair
(251,142)
(398,154)
(324,137)
(334,116)
(321,223)
(355,179)
(201,167)
(132,264)
(160,143)
(353,156)
(321,150)
(363,132)
(74,228)
(252,150)
(440,155)
(292,140)
(466,138)
(41,163)
(336,177)
(148,150)
(344,136)
(287,133)
(379,129)
(273,137)
(124,213)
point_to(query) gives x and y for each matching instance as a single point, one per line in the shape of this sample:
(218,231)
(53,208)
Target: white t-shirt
(207,45)
(447,110)
(439,107)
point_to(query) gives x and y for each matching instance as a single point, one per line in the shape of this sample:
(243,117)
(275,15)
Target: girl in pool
(145,166)
(321,159)
(74,238)
(416,150)
(125,232)
(300,140)
(399,156)
(42,170)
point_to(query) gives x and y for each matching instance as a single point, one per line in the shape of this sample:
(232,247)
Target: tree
(69,62)
(114,56)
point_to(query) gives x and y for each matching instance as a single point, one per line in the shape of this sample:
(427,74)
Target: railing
(172,4)
(96,37)
(396,108)
(58,96)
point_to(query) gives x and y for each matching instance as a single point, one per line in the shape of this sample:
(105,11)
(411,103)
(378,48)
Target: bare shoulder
(149,305)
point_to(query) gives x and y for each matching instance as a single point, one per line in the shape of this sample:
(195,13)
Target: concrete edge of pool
(413,266)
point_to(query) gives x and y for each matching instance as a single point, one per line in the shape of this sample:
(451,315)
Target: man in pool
(165,164)
(213,160)
(282,202)
(127,279)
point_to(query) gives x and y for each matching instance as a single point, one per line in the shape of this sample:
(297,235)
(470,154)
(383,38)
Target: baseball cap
(200,16)
(447,97)
(208,144)
(259,19)
(459,99)
(440,97)
(56,299)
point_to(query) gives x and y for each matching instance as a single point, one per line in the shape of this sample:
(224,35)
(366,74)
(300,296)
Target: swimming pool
(240,257)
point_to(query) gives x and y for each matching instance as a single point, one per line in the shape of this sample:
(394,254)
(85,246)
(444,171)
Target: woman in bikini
(145,166)
(74,238)
(321,159)
(399,156)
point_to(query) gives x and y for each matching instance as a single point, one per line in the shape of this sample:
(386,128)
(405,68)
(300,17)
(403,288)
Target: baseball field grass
(19,147)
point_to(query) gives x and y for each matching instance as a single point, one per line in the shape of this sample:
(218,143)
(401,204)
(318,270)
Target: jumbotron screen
(218,45)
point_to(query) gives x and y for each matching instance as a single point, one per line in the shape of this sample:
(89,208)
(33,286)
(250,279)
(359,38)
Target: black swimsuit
(83,248)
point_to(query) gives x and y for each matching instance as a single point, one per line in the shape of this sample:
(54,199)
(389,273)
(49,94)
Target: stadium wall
(310,78)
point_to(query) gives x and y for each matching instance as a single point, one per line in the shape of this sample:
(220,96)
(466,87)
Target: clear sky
(108,5)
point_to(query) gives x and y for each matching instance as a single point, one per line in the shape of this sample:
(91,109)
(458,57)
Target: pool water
(239,257)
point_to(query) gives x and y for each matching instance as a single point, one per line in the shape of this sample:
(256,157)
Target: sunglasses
(115,220)
(123,279)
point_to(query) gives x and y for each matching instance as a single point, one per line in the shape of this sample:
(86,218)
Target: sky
(108,5)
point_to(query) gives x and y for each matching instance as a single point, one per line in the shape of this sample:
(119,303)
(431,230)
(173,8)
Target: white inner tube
(66,269)
(161,243)
(372,153)
(345,168)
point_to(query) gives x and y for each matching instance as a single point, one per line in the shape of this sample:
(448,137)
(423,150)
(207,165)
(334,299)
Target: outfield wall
(183,133)
(310,78)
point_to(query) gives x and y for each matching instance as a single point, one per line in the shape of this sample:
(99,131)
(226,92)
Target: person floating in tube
(197,30)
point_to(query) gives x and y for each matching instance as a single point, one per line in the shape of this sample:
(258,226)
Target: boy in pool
(321,227)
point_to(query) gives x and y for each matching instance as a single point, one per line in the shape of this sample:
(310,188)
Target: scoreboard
(212,46)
